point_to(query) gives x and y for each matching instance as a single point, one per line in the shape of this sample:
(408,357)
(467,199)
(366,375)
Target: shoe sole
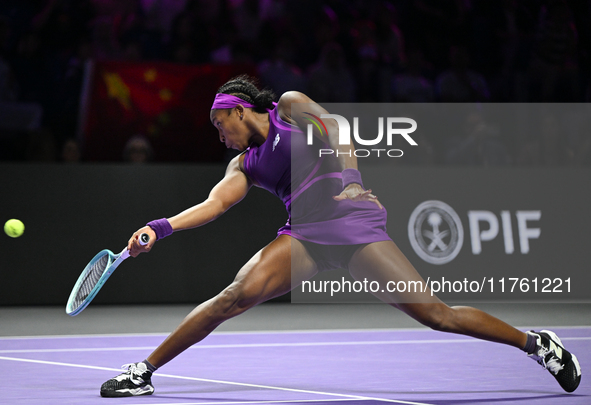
(574,359)
(557,339)
(136,392)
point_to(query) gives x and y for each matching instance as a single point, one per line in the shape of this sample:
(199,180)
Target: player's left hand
(355,192)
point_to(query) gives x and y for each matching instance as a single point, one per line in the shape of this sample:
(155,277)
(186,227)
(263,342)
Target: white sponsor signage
(436,232)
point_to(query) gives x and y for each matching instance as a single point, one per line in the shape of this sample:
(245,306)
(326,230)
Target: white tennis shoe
(135,381)
(552,356)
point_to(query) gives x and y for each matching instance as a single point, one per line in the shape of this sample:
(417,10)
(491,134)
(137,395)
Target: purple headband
(223,101)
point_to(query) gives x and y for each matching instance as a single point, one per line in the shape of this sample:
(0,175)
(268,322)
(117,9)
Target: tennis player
(339,224)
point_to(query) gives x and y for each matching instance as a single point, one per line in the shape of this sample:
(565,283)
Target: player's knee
(439,317)
(236,297)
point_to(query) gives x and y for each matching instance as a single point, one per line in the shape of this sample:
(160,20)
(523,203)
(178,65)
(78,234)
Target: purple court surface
(294,367)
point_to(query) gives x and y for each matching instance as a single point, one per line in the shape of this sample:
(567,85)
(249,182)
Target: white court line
(236,332)
(256,402)
(267,332)
(251,345)
(245,345)
(269,387)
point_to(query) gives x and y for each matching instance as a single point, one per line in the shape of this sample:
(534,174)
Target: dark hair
(245,87)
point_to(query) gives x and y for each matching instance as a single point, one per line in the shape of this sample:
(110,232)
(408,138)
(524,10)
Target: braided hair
(245,87)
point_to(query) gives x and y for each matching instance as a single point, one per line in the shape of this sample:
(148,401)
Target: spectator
(460,84)
(15,116)
(71,151)
(105,44)
(367,61)
(500,45)
(391,48)
(139,41)
(138,149)
(183,41)
(554,68)
(30,69)
(160,14)
(279,72)
(61,23)
(412,86)
(390,38)
(435,25)
(8,85)
(330,80)
(350,51)
(246,19)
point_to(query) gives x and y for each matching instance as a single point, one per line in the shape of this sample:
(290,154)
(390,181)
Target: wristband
(161,227)
(351,176)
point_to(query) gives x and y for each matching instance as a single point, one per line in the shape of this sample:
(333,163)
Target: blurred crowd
(333,50)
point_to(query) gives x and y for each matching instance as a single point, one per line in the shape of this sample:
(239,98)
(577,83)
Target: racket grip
(144,239)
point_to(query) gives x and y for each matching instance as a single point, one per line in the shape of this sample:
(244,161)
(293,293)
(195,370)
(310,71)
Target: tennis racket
(94,275)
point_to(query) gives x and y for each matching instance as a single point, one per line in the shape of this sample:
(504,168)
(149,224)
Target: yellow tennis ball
(14,228)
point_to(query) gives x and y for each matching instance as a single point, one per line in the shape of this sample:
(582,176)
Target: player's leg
(268,274)
(384,262)
(272,272)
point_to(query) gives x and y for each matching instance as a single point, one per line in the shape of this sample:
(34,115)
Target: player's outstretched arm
(228,192)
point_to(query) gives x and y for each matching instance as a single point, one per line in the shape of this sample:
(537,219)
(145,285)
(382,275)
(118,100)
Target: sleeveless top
(289,168)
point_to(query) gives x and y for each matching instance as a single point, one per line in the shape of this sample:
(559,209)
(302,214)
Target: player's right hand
(134,246)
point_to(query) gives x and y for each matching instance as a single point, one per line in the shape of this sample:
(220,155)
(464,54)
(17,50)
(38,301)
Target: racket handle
(144,239)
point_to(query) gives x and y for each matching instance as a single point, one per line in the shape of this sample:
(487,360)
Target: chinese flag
(168,103)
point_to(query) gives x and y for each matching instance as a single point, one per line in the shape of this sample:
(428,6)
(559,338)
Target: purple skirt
(317,218)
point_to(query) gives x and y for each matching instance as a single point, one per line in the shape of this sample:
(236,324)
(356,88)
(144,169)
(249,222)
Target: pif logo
(344,129)
(436,233)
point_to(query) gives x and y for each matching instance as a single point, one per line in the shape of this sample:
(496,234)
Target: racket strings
(90,280)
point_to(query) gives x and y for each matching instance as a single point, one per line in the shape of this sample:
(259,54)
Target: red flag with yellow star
(167,103)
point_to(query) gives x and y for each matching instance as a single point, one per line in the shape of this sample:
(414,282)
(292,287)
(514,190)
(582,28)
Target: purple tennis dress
(290,169)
